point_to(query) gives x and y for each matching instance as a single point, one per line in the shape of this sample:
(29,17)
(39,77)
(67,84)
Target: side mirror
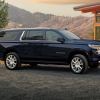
(60,39)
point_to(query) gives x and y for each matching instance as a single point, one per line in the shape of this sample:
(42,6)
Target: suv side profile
(48,46)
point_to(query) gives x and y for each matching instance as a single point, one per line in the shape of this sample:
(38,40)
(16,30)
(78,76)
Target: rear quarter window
(8,35)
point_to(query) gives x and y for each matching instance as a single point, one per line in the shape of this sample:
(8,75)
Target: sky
(56,7)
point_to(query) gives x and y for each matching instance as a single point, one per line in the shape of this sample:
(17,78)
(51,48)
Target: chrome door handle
(25,43)
(45,44)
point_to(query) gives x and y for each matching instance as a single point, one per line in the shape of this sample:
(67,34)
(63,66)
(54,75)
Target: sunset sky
(56,7)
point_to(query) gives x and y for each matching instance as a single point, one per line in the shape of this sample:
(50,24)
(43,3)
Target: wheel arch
(77,52)
(8,51)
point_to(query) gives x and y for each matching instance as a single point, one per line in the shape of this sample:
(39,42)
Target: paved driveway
(48,82)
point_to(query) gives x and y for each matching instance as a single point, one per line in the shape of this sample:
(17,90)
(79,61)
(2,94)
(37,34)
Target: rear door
(32,44)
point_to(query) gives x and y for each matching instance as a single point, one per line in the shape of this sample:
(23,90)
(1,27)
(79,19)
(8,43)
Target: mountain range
(20,18)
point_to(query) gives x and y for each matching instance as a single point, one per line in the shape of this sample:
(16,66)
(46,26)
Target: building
(94,8)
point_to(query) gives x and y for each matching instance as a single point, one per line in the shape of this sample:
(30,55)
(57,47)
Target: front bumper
(94,63)
(95,60)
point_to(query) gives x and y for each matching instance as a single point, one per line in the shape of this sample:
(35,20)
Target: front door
(53,50)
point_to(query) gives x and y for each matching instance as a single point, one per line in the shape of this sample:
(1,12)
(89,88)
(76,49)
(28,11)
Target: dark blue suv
(48,46)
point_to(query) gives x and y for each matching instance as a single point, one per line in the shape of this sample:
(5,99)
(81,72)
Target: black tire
(12,61)
(33,64)
(79,66)
(94,66)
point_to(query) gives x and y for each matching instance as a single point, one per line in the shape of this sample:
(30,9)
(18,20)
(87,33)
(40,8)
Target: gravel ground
(48,82)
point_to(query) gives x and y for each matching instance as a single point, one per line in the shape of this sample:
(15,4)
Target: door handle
(25,43)
(45,44)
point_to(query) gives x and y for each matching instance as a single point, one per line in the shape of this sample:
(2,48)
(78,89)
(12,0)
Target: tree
(3,14)
(91,32)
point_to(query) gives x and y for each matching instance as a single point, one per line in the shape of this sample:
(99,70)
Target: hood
(84,41)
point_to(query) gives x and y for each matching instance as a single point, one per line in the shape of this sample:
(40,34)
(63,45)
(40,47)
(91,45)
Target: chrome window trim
(22,36)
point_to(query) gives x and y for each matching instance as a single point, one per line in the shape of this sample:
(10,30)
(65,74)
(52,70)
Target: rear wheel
(79,64)
(12,61)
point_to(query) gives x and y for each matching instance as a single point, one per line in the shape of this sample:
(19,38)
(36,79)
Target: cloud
(61,2)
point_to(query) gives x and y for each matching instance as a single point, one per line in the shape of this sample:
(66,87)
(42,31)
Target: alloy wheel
(77,64)
(11,61)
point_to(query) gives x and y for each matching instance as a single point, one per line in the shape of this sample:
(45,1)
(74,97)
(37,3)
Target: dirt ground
(48,82)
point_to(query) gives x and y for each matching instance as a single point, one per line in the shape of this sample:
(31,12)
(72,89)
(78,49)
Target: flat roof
(79,8)
(25,29)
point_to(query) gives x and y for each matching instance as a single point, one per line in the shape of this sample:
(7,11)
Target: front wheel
(79,64)
(12,61)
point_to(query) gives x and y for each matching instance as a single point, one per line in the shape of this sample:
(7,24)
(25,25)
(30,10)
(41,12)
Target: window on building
(98,19)
(98,32)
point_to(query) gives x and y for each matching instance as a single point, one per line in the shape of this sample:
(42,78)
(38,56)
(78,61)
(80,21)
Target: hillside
(79,25)
(26,18)
(19,18)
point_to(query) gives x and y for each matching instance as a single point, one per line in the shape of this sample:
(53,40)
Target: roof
(25,29)
(21,29)
(88,7)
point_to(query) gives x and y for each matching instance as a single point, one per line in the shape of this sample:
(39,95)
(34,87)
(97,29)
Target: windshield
(69,34)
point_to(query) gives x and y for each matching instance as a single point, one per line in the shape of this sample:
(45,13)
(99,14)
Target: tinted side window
(52,36)
(8,35)
(35,35)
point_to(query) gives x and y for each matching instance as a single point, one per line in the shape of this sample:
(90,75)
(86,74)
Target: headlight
(94,46)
